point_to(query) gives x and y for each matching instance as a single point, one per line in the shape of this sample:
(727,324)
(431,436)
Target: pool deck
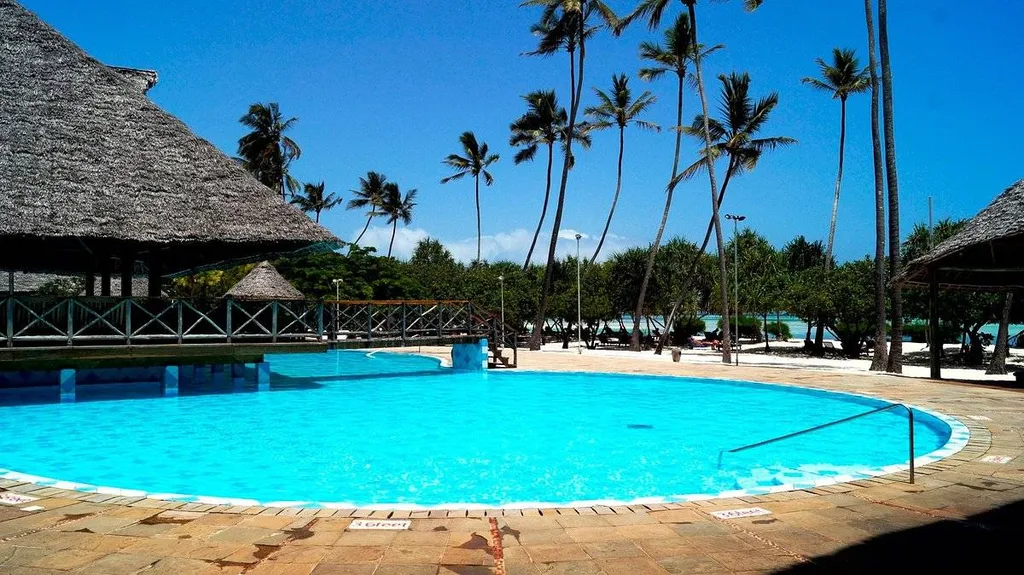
(962,512)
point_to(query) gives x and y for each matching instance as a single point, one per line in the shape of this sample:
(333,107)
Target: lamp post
(501,282)
(736,219)
(579,299)
(337,307)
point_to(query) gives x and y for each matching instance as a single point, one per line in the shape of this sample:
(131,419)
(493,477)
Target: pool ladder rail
(910,418)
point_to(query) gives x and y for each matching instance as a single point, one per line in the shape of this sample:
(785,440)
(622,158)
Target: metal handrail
(910,416)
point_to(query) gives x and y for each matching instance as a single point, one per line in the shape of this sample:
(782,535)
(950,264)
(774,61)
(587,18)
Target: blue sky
(389,86)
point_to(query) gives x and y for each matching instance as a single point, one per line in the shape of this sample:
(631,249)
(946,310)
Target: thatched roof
(264,282)
(142,79)
(29,283)
(89,166)
(988,253)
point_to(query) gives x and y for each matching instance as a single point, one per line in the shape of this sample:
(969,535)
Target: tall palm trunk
(895,360)
(723,274)
(317,219)
(394,228)
(477,218)
(634,340)
(538,324)
(880,355)
(819,335)
(366,227)
(685,287)
(615,198)
(998,364)
(543,209)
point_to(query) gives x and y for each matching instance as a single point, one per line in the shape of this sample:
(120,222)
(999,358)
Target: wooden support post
(105,276)
(90,284)
(934,337)
(127,270)
(155,276)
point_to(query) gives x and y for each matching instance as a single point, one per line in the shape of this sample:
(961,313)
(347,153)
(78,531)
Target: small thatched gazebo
(264,282)
(987,254)
(95,178)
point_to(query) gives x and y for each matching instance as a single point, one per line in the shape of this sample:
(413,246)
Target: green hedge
(750,327)
(682,330)
(918,332)
(779,330)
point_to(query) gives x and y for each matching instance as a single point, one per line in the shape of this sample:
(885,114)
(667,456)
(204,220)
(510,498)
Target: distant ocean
(798,327)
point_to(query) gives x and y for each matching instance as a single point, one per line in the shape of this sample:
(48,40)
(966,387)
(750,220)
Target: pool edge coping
(961,438)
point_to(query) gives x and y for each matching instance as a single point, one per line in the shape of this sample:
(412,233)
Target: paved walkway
(961,513)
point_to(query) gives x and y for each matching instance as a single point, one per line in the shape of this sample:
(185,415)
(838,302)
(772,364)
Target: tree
(895,360)
(842,77)
(476,161)
(618,109)
(563,24)
(674,57)
(998,364)
(734,136)
(369,196)
(880,354)
(267,151)
(315,201)
(397,208)
(652,11)
(761,275)
(544,123)
(437,272)
(798,256)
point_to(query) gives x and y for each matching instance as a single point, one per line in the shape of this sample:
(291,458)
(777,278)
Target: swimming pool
(341,429)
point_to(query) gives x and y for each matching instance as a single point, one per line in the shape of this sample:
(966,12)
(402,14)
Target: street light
(736,219)
(501,281)
(579,306)
(337,309)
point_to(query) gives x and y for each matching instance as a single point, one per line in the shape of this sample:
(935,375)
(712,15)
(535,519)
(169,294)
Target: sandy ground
(753,355)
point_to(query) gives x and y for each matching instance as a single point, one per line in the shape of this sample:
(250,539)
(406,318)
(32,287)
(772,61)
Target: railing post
(910,417)
(10,320)
(71,319)
(181,326)
(273,321)
(227,323)
(128,320)
(440,320)
(320,320)
(369,322)
(404,324)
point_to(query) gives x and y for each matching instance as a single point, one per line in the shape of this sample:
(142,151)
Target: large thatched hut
(987,254)
(95,178)
(264,282)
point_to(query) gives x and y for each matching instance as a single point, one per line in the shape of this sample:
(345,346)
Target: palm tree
(369,196)
(895,360)
(396,207)
(734,136)
(674,57)
(618,109)
(563,24)
(476,161)
(652,10)
(315,201)
(879,358)
(842,77)
(266,151)
(544,123)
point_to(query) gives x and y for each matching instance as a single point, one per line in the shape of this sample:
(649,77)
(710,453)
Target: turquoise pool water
(394,429)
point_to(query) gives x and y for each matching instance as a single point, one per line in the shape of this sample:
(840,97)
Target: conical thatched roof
(264,282)
(987,253)
(89,166)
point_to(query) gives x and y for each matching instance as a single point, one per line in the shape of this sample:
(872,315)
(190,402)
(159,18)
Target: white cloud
(570,234)
(405,240)
(509,245)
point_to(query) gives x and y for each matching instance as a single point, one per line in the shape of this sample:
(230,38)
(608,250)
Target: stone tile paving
(961,514)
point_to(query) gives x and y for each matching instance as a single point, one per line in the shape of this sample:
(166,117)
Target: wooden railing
(27,321)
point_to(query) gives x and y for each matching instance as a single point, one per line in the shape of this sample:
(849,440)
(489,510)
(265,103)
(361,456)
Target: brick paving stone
(118,563)
(633,566)
(348,555)
(753,560)
(406,570)
(66,560)
(593,534)
(434,538)
(411,554)
(613,549)
(585,567)
(365,538)
(296,554)
(462,556)
(557,552)
(344,569)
